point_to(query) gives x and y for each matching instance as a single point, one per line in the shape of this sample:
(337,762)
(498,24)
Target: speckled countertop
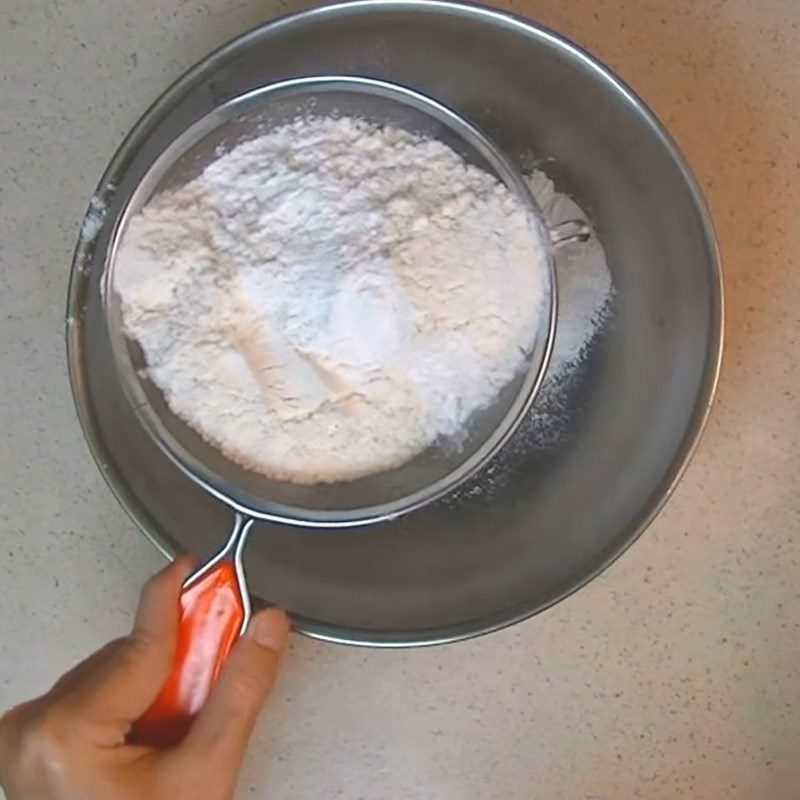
(676,674)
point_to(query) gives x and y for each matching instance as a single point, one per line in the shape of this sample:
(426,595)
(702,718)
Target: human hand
(70,744)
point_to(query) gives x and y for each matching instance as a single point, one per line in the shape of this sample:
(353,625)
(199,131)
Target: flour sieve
(434,472)
(428,476)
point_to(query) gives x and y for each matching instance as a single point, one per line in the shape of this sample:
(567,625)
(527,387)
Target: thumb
(222,729)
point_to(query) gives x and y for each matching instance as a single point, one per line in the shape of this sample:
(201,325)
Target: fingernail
(270,628)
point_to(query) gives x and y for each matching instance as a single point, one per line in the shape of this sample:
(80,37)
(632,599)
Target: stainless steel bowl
(566,508)
(442,466)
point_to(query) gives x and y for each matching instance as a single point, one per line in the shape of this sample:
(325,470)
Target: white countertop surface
(676,674)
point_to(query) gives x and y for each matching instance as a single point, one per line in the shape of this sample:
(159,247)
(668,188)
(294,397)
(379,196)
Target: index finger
(120,681)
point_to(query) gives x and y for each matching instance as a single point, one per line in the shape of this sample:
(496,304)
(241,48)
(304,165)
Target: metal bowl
(445,464)
(565,509)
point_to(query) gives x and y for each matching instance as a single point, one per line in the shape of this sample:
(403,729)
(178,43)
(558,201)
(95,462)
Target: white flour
(327,300)
(582,275)
(585,292)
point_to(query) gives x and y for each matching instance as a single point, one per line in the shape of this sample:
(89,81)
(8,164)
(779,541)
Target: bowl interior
(443,465)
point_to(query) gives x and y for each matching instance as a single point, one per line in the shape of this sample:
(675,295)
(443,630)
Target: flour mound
(327,300)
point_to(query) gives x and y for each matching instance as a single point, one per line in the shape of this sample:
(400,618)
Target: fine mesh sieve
(443,465)
(215,606)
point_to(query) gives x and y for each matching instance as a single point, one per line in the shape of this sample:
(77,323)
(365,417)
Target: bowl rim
(513,614)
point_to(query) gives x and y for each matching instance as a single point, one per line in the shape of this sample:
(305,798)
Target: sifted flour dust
(325,301)
(585,300)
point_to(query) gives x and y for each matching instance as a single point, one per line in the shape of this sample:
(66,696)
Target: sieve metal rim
(209,479)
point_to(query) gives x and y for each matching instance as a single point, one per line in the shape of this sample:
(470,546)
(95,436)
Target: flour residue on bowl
(585,297)
(327,300)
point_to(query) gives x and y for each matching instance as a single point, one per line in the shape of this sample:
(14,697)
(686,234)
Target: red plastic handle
(212,613)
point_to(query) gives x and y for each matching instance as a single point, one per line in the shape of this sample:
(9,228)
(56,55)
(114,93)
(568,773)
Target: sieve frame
(232,488)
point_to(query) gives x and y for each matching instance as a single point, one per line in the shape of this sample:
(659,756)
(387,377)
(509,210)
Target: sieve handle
(214,612)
